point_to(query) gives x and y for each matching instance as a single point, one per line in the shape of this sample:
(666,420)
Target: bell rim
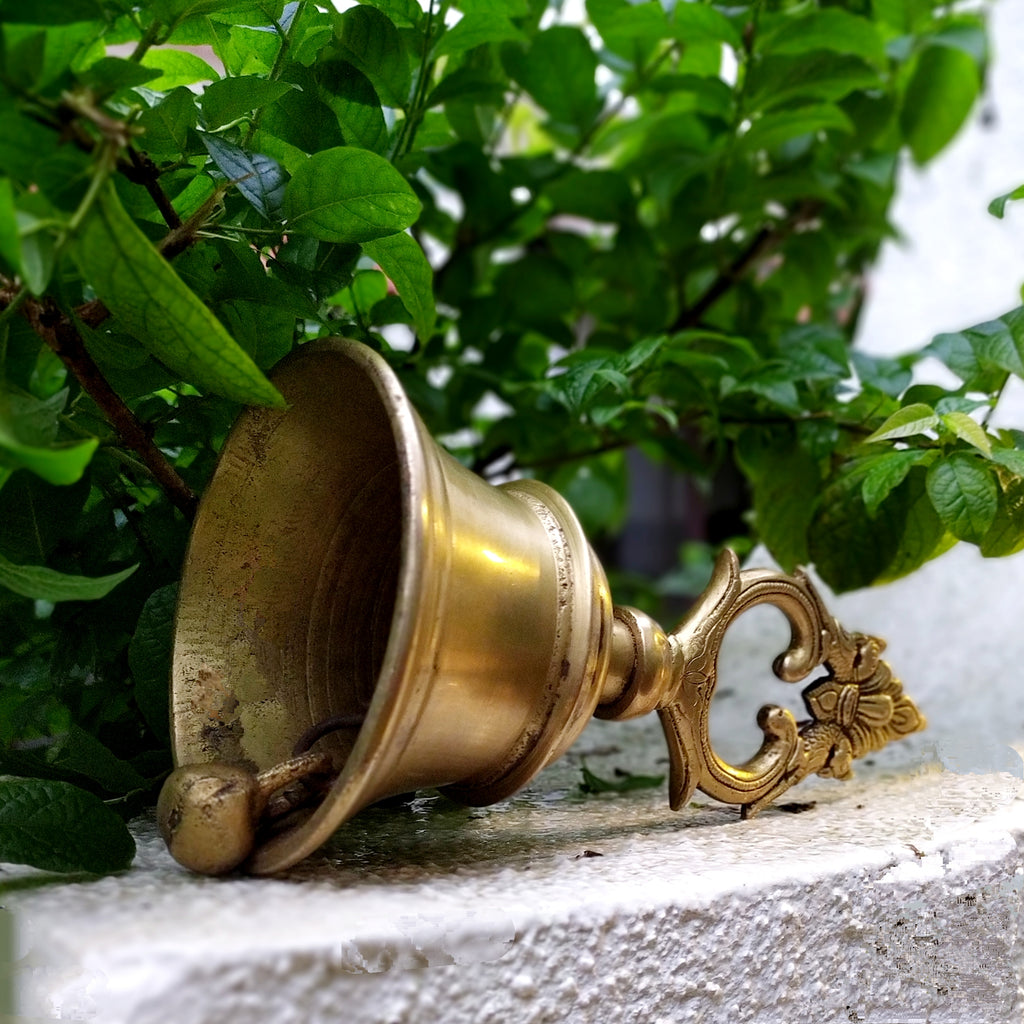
(394,704)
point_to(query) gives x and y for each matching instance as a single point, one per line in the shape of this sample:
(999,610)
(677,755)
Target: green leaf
(813,353)
(477,29)
(624,26)
(112,73)
(624,782)
(288,156)
(887,472)
(849,548)
(968,429)
(349,195)
(368,39)
(10,242)
(257,176)
(889,376)
(578,386)
(57,464)
(153,303)
(786,481)
(80,753)
(776,81)
(246,50)
(941,91)
(170,11)
(906,422)
(58,827)
(964,494)
(38,251)
(1000,342)
(177,67)
(830,29)
(962,352)
(404,13)
(265,332)
(38,516)
(350,94)
(772,382)
(923,537)
(700,23)
(771,130)
(639,354)
(30,155)
(596,489)
(225,100)
(402,259)
(49,12)
(1006,534)
(38,582)
(600,195)
(967,34)
(167,124)
(469,85)
(149,658)
(558,71)
(998,205)
(1011,458)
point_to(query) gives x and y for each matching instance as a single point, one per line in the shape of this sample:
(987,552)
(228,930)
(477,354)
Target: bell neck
(644,667)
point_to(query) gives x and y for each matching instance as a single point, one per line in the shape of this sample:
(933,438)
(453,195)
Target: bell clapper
(209,814)
(323,728)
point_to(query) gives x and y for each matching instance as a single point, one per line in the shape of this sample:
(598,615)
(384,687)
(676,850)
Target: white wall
(958,265)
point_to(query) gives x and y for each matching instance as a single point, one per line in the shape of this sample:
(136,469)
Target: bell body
(344,567)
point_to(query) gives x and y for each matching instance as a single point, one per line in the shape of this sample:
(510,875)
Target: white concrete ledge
(894,899)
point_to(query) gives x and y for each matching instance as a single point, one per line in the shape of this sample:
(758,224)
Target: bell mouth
(313,512)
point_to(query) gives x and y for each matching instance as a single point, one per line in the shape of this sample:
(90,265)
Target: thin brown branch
(92,313)
(764,242)
(146,173)
(59,332)
(185,235)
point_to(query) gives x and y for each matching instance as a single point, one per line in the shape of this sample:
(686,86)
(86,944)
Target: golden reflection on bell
(361,616)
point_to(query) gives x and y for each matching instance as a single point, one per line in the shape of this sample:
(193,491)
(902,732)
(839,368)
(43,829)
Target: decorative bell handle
(856,707)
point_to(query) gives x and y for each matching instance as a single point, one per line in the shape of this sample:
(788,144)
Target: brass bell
(360,616)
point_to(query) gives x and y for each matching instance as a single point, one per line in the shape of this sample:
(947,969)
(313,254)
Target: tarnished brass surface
(349,585)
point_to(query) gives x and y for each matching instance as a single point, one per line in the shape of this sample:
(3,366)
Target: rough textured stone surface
(893,898)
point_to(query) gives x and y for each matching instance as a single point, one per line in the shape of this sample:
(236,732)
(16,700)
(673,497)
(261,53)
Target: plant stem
(767,239)
(995,401)
(149,37)
(414,116)
(146,173)
(278,66)
(59,332)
